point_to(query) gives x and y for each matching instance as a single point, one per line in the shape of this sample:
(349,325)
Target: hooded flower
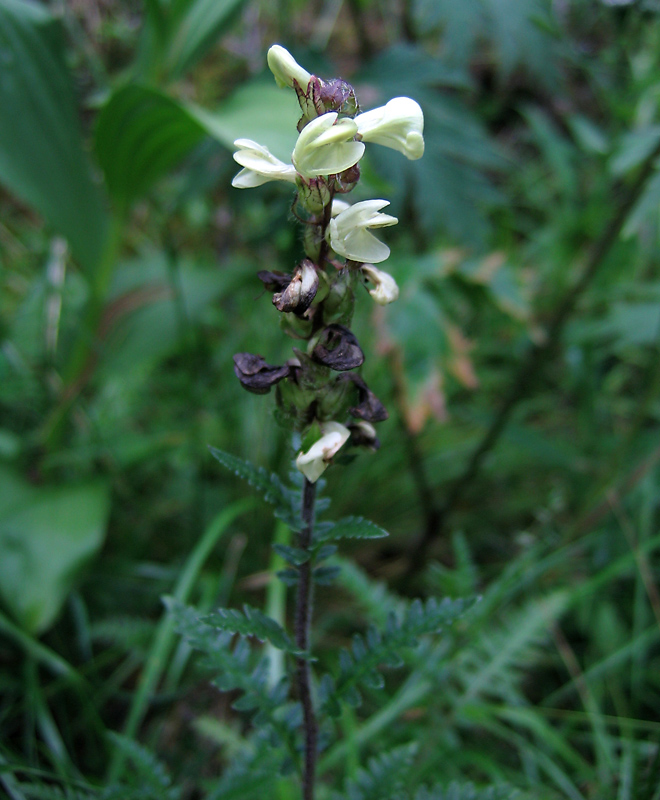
(260,166)
(398,124)
(349,231)
(326,146)
(316,460)
(286,69)
(385,289)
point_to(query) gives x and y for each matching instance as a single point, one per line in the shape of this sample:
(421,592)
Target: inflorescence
(317,388)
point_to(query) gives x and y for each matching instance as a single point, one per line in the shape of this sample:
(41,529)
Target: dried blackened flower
(300,291)
(363,434)
(369,407)
(256,375)
(338,349)
(274,281)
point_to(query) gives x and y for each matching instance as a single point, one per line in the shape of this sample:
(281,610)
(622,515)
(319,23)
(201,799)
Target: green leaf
(141,134)
(294,555)
(351,528)
(252,622)
(46,536)
(258,111)
(635,147)
(266,483)
(467,791)
(384,777)
(196,27)
(42,159)
(358,665)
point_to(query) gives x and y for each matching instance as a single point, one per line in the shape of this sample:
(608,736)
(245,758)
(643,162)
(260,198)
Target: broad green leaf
(47,534)
(258,111)
(141,133)
(42,159)
(144,315)
(196,27)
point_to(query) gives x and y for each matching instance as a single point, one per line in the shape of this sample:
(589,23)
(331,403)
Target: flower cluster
(318,296)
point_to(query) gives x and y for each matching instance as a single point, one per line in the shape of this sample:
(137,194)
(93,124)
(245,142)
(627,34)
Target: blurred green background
(520,367)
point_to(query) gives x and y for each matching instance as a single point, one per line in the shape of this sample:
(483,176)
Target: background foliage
(527,332)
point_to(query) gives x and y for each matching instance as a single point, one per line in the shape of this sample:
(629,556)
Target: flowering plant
(320,396)
(318,295)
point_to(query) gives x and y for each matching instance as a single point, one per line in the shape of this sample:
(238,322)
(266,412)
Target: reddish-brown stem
(302,629)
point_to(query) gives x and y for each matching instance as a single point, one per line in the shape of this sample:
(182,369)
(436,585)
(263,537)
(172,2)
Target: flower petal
(325,146)
(260,165)
(385,288)
(316,460)
(286,69)
(349,235)
(399,124)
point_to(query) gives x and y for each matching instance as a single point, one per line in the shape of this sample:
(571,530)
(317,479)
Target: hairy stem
(303,624)
(537,356)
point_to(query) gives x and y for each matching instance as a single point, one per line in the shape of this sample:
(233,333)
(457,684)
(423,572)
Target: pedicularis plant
(328,406)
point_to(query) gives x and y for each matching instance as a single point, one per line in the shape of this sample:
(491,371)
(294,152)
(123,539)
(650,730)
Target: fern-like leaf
(359,666)
(385,776)
(349,528)
(467,791)
(235,669)
(250,622)
(148,775)
(285,501)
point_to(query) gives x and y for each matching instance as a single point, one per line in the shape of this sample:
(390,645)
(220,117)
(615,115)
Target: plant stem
(303,624)
(537,356)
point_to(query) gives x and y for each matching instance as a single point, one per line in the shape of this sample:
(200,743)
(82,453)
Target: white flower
(398,124)
(338,206)
(385,289)
(349,235)
(316,460)
(325,146)
(286,69)
(260,165)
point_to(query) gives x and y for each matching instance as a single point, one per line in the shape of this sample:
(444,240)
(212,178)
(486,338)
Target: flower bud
(385,289)
(338,349)
(301,290)
(347,180)
(313,194)
(255,374)
(316,460)
(338,95)
(340,302)
(286,69)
